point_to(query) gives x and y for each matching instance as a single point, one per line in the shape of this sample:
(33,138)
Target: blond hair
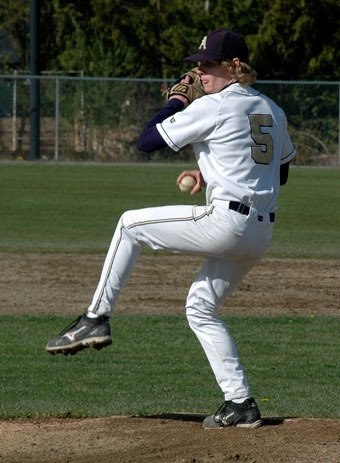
(243,73)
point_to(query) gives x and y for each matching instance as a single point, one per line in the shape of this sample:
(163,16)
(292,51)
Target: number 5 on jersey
(262,150)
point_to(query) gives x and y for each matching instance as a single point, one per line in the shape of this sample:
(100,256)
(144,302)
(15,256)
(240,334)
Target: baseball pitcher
(243,150)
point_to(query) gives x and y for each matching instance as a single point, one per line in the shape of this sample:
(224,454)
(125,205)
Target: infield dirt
(159,285)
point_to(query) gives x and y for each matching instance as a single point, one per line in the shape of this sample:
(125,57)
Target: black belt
(244,209)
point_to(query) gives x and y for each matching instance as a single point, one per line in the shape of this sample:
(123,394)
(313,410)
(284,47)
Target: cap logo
(203,44)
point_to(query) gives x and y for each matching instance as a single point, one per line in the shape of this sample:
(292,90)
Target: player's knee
(126,219)
(193,318)
(199,314)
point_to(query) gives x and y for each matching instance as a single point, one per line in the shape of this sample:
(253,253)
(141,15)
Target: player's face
(213,76)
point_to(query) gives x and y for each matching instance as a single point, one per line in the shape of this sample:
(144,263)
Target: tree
(15,22)
(298,40)
(288,39)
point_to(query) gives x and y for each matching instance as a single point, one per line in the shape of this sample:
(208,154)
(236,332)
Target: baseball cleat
(82,333)
(244,415)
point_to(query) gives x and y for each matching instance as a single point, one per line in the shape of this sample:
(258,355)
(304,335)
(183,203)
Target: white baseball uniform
(240,139)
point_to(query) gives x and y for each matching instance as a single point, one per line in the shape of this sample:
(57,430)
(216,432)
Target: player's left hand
(178,96)
(196,174)
(187,88)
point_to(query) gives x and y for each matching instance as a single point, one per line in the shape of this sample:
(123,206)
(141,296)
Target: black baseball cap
(219,45)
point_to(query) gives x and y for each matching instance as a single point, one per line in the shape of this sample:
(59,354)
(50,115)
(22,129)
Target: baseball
(187,183)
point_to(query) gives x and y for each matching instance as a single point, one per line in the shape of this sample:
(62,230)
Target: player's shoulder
(206,102)
(239,89)
(248,91)
(215,99)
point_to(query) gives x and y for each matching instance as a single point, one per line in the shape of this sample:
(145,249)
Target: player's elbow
(284,172)
(143,144)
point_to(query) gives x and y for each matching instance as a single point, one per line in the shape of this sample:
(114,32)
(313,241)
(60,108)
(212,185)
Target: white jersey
(240,138)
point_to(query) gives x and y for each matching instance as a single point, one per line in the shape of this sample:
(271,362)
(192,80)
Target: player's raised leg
(176,228)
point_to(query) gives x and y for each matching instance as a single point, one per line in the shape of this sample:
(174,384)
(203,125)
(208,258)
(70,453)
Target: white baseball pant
(232,243)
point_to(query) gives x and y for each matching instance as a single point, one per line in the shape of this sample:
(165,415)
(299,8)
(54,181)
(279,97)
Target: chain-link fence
(99,119)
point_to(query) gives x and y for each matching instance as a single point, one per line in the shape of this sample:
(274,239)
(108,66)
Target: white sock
(240,401)
(91,315)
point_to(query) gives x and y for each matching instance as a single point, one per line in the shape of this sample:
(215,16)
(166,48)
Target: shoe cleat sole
(95,343)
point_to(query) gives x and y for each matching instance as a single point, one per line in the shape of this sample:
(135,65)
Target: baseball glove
(190,91)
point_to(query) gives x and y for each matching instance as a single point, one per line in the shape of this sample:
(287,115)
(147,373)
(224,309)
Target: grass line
(156,365)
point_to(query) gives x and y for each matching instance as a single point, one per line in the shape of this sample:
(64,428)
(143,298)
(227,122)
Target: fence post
(14,116)
(34,111)
(56,121)
(82,112)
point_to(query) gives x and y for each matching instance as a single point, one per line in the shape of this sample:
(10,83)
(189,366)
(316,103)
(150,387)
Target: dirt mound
(131,440)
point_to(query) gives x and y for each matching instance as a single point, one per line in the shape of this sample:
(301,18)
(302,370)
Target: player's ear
(236,63)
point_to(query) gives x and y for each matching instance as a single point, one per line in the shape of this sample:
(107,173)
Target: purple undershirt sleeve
(150,139)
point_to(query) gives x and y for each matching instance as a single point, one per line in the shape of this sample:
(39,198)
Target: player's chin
(207,89)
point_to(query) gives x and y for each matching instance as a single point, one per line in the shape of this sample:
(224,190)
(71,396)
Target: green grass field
(155,364)
(74,208)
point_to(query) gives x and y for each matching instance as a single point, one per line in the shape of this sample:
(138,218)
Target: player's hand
(196,174)
(184,100)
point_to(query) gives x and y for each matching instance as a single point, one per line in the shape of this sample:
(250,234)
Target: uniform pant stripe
(108,272)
